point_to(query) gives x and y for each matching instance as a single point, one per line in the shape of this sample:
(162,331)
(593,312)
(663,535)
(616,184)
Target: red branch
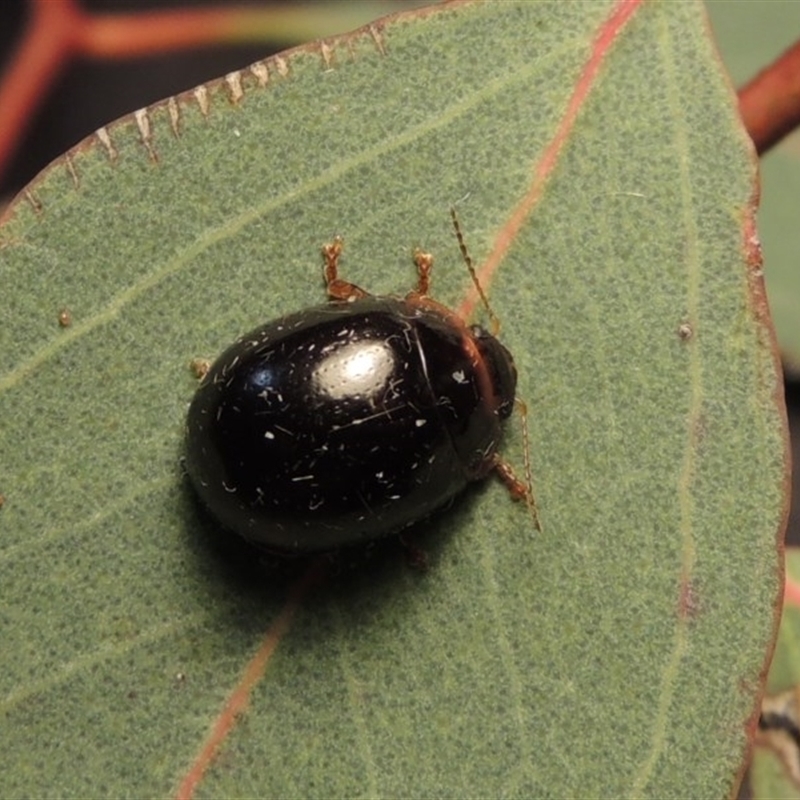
(46,46)
(770,103)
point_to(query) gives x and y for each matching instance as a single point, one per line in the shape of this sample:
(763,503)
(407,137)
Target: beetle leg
(337,288)
(417,558)
(424,262)
(518,489)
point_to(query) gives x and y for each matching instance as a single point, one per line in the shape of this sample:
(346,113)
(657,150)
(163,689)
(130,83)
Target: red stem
(770,103)
(145,32)
(46,46)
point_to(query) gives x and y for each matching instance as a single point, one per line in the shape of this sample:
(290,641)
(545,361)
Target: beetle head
(500,365)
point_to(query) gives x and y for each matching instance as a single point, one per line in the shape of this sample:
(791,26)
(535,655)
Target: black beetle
(348,421)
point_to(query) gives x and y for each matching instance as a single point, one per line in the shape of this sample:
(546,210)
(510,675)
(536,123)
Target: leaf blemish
(688,602)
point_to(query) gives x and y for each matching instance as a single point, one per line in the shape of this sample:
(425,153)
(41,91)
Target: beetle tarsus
(424,263)
(518,489)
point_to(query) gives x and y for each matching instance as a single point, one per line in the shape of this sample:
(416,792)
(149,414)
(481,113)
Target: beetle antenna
(468,261)
(530,497)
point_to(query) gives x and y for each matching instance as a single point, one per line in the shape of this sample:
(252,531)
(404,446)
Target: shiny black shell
(347,422)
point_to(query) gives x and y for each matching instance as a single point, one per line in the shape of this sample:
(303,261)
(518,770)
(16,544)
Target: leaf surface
(745,55)
(605,188)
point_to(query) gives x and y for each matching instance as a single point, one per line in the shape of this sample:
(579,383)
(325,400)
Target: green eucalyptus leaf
(595,156)
(745,55)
